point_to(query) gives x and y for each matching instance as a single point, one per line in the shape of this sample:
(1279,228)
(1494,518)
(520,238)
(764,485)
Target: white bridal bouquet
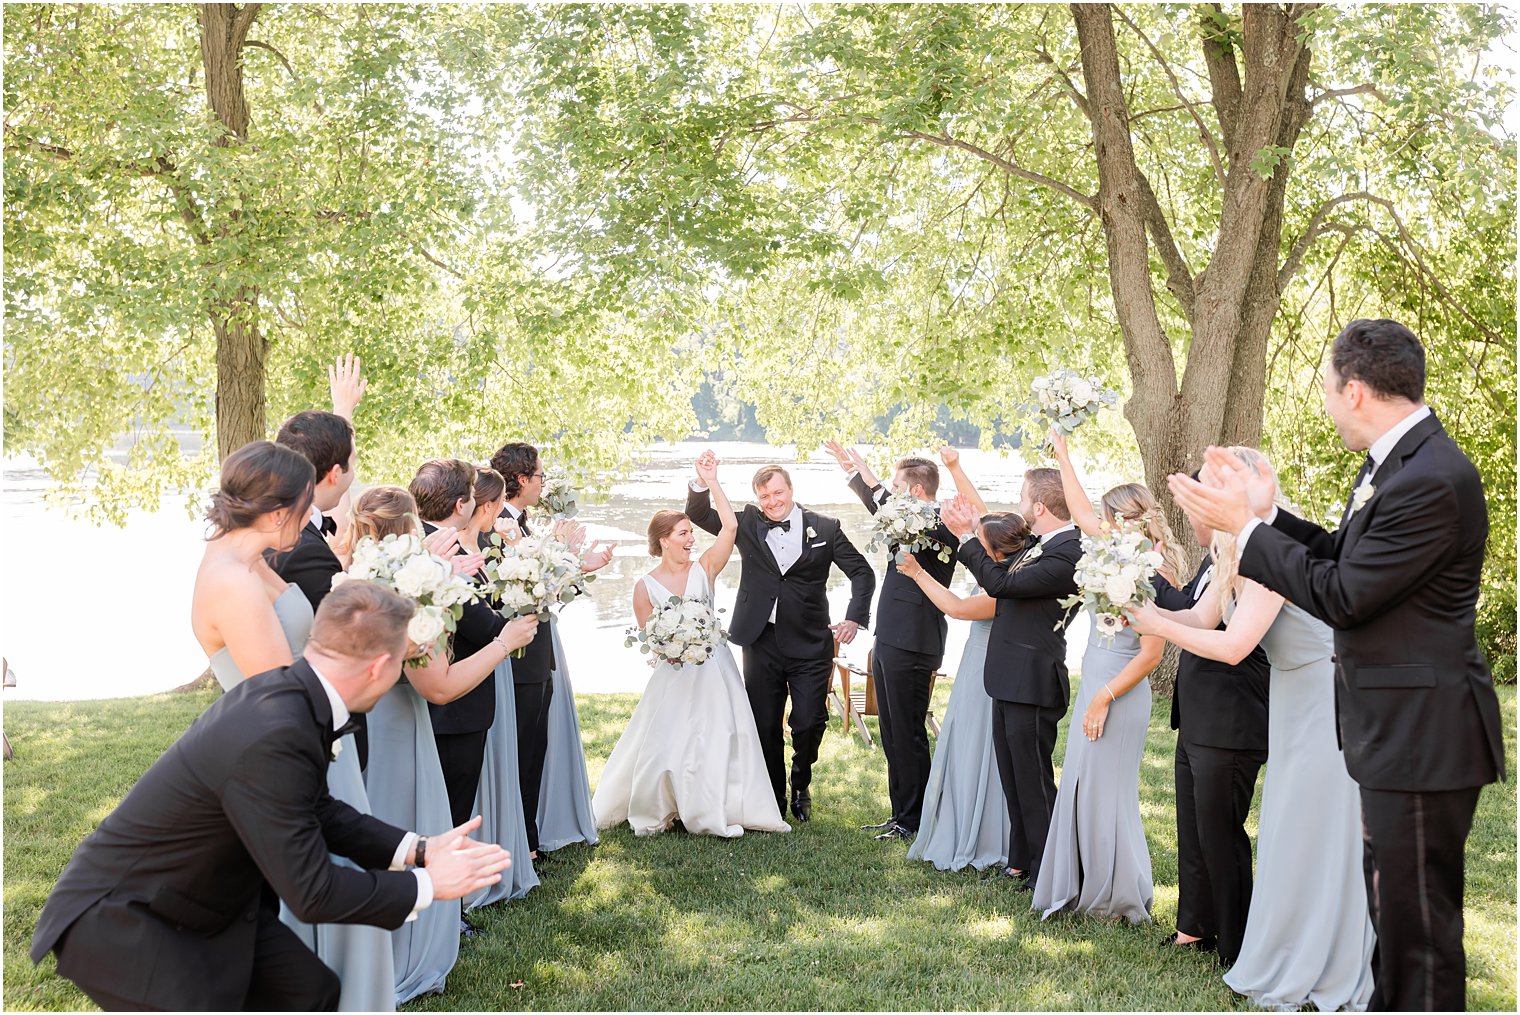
(1066,399)
(903,524)
(402,564)
(558,498)
(531,575)
(679,631)
(1114,575)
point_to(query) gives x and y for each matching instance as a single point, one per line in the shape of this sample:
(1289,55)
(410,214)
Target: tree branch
(1224,72)
(1179,278)
(1007,165)
(1311,233)
(242,21)
(437,263)
(1204,133)
(1335,93)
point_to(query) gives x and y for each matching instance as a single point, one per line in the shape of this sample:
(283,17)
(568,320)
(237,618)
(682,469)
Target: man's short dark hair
(1382,354)
(921,472)
(512,461)
(325,439)
(440,485)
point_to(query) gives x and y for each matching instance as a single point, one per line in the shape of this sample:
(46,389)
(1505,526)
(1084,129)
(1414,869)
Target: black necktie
(329,527)
(342,731)
(1365,473)
(522,523)
(785,525)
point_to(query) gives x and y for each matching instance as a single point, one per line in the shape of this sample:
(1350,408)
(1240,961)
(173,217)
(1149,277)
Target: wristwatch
(421,851)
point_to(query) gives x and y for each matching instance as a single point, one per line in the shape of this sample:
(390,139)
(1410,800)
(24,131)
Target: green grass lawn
(822,918)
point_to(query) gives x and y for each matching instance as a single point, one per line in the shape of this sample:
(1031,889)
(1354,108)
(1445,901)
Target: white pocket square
(824,542)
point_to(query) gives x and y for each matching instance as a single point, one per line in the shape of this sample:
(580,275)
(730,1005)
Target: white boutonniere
(1361,495)
(812,533)
(337,749)
(1033,553)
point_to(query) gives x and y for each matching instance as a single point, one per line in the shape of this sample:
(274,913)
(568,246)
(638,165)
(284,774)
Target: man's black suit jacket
(1026,650)
(905,618)
(801,595)
(162,902)
(310,565)
(1398,582)
(1215,704)
(536,665)
(475,710)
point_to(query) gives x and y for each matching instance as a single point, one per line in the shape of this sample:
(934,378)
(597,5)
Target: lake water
(101,611)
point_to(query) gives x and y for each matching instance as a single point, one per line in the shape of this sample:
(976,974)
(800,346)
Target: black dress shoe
(878,828)
(1000,874)
(896,832)
(467,929)
(802,806)
(1203,944)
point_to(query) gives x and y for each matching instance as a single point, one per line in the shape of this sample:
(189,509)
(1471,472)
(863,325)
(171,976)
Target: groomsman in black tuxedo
(1025,672)
(533,675)
(1398,581)
(172,903)
(444,489)
(326,440)
(781,619)
(910,642)
(1219,711)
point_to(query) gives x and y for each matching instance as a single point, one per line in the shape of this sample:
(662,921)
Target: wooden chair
(855,704)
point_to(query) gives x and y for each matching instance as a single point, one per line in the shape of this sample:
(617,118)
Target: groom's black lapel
(760,531)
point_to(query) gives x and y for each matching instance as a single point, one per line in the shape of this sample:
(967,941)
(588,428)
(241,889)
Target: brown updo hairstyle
(662,525)
(258,478)
(382,511)
(1006,532)
(489,485)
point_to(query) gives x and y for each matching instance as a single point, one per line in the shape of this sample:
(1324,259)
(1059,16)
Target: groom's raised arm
(700,510)
(1412,532)
(867,495)
(862,578)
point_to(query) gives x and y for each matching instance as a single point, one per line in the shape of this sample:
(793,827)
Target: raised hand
(571,533)
(347,384)
(507,528)
(1258,478)
(957,516)
(837,452)
(707,468)
(459,865)
(442,541)
(1057,440)
(950,456)
(1222,504)
(596,556)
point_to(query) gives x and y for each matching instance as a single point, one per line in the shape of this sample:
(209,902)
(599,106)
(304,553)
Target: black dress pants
(1024,739)
(769,677)
(902,679)
(532,743)
(460,755)
(1214,790)
(1413,858)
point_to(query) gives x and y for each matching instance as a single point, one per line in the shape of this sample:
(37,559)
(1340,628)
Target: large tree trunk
(241,347)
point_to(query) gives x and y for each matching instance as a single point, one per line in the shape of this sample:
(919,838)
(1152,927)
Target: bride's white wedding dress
(690,752)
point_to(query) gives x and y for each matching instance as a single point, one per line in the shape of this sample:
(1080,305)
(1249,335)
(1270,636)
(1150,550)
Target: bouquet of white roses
(679,631)
(402,564)
(558,498)
(1066,399)
(903,524)
(1114,575)
(531,575)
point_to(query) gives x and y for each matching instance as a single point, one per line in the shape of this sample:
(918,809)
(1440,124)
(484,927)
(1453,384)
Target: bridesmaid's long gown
(358,953)
(498,801)
(965,815)
(564,803)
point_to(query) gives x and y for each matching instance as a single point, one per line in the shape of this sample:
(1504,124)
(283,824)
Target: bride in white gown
(690,752)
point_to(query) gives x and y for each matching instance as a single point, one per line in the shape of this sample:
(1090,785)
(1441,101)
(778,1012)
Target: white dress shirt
(787,546)
(1047,537)
(1379,452)
(398,861)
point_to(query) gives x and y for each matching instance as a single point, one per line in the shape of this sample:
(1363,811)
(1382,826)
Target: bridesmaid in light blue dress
(498,801)
(564,804)
(1309,938)
(249,621)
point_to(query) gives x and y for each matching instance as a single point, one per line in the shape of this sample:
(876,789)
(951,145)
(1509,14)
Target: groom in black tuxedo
(1398,581)
(172,902)
(781,619)
(910,643)
(1025,672)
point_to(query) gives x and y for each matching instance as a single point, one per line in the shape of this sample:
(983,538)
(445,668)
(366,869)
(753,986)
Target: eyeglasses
(538,475)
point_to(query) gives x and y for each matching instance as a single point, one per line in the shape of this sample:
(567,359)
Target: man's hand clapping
(459,865)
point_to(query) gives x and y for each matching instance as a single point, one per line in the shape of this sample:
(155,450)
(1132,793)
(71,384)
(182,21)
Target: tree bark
(241,348)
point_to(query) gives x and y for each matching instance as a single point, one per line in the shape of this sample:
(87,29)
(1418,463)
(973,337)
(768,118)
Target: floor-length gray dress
(1096,860)
(498,801)
(965,818)
(358,953)
(1308,936)
(406,789)
(564,802)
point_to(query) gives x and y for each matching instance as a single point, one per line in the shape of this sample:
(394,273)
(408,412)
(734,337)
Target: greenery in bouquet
(401,563)
(902,524)
(1114,575)
(679,631)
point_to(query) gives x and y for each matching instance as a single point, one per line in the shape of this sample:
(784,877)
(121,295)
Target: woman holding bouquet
(690,752)
(1096,860)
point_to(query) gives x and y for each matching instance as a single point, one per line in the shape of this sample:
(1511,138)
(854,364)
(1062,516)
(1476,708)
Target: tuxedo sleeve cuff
(697,486)
(1245,534)
(424,893)
(398,862)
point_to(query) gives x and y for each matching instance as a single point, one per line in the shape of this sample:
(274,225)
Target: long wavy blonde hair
(1224,546)
(381,511)
(1132,502)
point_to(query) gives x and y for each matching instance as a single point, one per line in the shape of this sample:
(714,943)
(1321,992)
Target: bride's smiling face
(678,546)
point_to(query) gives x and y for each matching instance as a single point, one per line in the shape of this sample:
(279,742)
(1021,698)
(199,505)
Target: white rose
(1119,589)
(425,626)
(340,578)
(1081,392)
(418,575)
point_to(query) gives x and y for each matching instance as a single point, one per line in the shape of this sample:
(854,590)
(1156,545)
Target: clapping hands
(958,516)
(459,865)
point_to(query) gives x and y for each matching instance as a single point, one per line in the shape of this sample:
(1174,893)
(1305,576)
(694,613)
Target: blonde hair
(382,511)
(1131,502)
(1224,547)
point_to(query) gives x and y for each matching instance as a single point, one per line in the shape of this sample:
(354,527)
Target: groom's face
(775,498)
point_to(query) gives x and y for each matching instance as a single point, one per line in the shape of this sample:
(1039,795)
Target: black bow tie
(1368,467)
(785,525)
(329,527)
